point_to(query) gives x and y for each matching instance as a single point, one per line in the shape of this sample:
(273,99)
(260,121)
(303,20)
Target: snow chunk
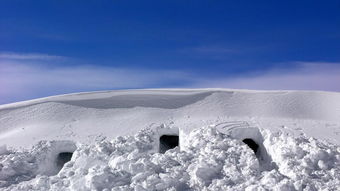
(3,149)
(207,160)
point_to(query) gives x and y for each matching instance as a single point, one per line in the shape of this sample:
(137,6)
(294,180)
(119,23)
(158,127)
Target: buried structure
(207,160)
(251,144)
(57,155)
(63,158)
(167,138)
(252,137)
(167,142)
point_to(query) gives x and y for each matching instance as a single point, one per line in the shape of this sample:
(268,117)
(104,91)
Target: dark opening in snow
(167,142)
(63,158)
(251,143)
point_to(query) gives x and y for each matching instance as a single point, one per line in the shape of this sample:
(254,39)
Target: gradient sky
(64,46)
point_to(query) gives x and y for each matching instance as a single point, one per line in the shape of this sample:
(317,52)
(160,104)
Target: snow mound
(82,117)
(42,159)
(206,160)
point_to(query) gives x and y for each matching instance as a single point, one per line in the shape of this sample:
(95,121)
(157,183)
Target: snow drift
(82,117)
(209,139)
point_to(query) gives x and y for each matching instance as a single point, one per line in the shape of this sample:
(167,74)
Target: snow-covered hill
(122,140)
(82,117)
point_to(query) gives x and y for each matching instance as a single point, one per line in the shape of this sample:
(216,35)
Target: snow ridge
(81,117)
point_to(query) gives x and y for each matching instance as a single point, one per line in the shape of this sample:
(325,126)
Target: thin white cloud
(307,76)
(22,79)
(29,56)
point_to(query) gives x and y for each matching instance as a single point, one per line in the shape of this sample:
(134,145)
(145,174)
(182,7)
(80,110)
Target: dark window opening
(167,142)
(63,158)
(251,143)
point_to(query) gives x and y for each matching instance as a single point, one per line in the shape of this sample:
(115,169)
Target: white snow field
(172,139)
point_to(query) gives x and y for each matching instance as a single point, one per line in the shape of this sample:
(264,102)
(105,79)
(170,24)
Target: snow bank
(42,159)
(312,164)
(206,160)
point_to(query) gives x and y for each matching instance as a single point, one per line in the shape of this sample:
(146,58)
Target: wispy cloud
(305,76)
(23,79)
(29,56)
(28,76)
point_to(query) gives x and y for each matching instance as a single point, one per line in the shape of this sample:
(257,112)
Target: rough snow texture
(206,160)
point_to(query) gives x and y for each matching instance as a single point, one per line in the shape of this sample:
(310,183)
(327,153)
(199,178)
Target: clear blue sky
(110,44)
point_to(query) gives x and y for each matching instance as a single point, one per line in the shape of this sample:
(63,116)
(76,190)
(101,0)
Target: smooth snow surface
(85,116)
(127,140)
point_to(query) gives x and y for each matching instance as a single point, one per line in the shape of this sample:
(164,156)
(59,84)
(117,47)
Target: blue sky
(63,46)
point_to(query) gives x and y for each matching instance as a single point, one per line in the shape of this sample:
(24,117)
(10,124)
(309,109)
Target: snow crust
(207,160)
